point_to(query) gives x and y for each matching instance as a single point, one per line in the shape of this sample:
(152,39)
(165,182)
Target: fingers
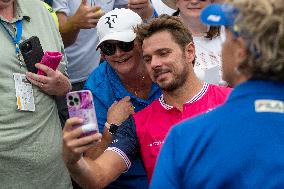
(49,71)
(72,122)
(126,99)
(92,22)
(126,103)
(72,136)
(131,109)
(83,143)
(95,9)
(91,18)
(38,80)
(43,82)
(73,148)
(120,111)
(86,17)
(96,13)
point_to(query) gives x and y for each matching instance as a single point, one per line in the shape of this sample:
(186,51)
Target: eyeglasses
(109,48)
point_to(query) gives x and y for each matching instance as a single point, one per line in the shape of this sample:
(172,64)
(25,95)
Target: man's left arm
(54,83)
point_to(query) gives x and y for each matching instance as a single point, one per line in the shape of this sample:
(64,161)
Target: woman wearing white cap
(121,82)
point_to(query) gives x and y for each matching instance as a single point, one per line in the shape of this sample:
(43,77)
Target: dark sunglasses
(109,48)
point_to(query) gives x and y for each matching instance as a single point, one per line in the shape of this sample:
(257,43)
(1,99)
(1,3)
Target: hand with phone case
(80,104)
(50,81)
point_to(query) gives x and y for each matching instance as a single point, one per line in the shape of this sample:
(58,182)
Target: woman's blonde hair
(261,24)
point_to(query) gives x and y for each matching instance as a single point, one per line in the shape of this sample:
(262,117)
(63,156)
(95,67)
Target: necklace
(138,90)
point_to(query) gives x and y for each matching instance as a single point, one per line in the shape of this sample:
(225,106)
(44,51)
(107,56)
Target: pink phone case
(50,59)
(80,104)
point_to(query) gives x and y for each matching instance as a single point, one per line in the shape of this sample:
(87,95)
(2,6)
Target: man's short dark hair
(172,24)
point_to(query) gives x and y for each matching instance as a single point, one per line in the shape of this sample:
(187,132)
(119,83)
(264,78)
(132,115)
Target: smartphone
(80,104)
(32,52)
(50,59)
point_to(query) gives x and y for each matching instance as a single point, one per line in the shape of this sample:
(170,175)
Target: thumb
(127,98)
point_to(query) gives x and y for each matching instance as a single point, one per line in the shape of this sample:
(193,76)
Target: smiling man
(168,54)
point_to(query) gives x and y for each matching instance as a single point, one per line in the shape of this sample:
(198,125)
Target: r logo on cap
(110,19)
(118,25)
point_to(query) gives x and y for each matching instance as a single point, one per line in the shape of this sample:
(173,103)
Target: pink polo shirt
(154,121)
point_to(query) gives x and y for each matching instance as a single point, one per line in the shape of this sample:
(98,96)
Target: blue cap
(219,15)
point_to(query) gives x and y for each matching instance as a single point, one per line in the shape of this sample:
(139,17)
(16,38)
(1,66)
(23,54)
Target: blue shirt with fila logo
(238,145)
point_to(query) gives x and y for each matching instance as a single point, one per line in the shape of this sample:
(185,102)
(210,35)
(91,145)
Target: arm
(117,113)
(85,18)
(87,172)
(97,173)
(97,150)
(54,83)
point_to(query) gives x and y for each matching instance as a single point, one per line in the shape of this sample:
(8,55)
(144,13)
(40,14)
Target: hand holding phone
(50,59)
(80,104)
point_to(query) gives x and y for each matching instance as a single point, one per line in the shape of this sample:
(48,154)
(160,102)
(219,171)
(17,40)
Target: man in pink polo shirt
(168,53)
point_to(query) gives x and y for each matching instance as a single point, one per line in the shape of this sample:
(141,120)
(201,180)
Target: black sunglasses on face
(109,48)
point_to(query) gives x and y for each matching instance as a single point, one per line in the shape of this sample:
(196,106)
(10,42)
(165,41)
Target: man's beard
(178,81)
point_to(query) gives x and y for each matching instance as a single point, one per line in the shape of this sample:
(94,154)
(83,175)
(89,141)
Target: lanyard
(15,38)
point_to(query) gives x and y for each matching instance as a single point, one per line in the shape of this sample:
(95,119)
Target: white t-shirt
(208,60)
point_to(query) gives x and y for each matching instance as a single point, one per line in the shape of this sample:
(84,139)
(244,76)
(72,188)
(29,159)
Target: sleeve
(166,173)
(125,141)
(61,6)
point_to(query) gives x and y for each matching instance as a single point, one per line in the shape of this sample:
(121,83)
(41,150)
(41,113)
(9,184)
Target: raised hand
(120,111)
(86,17)
(73,144)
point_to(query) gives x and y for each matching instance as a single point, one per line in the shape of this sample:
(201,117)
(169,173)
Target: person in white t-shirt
(207,39)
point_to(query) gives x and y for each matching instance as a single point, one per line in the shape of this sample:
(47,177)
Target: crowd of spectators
(187,94)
